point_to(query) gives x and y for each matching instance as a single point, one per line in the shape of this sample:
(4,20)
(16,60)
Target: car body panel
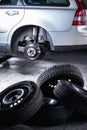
(50,19)
(57,21)
(10,16)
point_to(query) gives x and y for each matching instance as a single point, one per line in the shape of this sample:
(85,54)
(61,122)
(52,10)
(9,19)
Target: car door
(11,13)
(54,15)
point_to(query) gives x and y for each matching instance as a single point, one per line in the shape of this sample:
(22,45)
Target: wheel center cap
(31,52)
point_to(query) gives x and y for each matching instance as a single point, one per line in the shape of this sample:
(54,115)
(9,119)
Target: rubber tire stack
(55,113)
(46,103)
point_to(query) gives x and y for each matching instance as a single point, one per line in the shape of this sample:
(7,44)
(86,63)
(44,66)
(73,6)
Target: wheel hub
(31,52)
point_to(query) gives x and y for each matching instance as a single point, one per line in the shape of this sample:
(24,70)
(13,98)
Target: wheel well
(27,30)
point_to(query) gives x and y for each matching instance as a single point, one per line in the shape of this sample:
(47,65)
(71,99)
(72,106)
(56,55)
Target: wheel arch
(19,32)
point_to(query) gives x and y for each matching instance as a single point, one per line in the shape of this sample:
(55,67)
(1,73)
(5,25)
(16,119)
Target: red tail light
(80,16)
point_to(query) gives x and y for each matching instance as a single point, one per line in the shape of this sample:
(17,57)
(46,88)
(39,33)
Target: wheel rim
(51,101)
(53,83)
(48,87)
(15,97)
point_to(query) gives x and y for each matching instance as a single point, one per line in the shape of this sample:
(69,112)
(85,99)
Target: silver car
(32,27)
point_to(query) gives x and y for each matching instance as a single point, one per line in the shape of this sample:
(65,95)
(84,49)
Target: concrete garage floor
(19,69)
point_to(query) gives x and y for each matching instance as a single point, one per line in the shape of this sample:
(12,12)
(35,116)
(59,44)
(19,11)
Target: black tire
(49,78)
(51,114)
(19,102)
(72,96)
(4,58)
